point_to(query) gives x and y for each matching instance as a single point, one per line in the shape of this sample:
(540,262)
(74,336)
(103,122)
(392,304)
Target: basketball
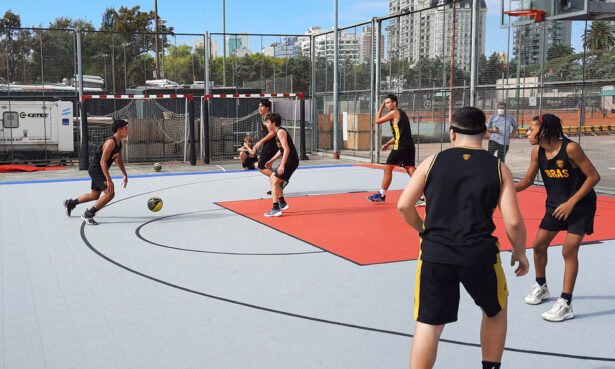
(154,204)
(157,167)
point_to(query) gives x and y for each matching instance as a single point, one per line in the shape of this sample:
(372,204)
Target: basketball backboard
(558,10)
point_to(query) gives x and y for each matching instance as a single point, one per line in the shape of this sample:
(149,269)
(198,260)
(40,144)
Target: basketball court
(208,282)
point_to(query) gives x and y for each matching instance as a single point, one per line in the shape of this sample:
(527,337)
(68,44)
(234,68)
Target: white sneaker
(538,294)
(559,312)
(273,213)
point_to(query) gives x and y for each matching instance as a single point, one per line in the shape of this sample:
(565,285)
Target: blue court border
(164,175)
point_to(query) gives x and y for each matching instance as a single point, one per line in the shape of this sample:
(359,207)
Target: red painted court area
(351,227)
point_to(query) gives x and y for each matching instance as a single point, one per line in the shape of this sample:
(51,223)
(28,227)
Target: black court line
(138,233)
(325,321)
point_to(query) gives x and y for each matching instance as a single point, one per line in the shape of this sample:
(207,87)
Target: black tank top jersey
(562,181)
(293,158)
(95,164)
(402,132)
(462,190)
(269,146)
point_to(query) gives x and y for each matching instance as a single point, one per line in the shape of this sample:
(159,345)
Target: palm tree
(600,36)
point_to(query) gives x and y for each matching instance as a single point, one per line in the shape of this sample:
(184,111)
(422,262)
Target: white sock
(383,192)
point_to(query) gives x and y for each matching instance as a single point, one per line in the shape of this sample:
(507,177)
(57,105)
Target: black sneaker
(89,219)
(68,207)
(284,205)
(269,192)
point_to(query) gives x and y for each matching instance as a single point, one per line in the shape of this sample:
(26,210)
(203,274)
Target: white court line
(611,168)
(224,170)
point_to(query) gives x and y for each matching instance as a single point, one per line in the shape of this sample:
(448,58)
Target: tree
(600,36)
(559,51)
(17,46)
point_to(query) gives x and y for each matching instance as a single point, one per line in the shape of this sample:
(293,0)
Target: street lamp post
(105,68)
(274,46)
(124,44)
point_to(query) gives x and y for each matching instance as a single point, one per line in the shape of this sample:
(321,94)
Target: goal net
(158,125)
(228,119)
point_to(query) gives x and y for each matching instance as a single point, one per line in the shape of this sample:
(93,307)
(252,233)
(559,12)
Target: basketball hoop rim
(536,14)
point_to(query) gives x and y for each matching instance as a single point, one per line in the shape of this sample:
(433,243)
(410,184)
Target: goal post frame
(84,148)
(207,97)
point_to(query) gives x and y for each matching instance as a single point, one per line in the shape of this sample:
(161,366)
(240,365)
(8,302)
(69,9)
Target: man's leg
(276,193)
(388,177)
(276,188)
(425,345)
(266,171)
(410,170)
(492,146)
(70,204)
(570,252)
(541,243)
(243,156)
(94,195)
(503,151)
(493,336)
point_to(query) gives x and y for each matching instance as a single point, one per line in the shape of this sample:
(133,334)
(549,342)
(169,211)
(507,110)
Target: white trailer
(32,130)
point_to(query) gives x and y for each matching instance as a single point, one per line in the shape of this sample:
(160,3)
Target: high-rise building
(531,43)
(348,45)
(367,48)
(427,34)
(235,42)
(213,45)
(289,47)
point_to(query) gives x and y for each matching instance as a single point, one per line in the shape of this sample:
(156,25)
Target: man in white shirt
(500,127)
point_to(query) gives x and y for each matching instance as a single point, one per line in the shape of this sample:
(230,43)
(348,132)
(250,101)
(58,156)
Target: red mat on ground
(349,226)
(10,168)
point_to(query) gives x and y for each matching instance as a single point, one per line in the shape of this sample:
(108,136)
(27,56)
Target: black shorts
(403,158)
(249,162)
(264,158)
(436,296)
(99,182)
(289,169)
(577,223)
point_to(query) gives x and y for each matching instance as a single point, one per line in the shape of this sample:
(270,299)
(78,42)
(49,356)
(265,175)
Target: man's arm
(513,222)
(387,144)
(514,124)
(106,153)
(490,127)
(411,194)
(392,115)
(120,164)
(528,180)
(284,142)
(270,135)
(578,158)
(269,164)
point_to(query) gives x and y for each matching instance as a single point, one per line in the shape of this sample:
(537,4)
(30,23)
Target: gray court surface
(198,286)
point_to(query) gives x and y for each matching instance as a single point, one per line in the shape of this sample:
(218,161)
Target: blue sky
(290,16)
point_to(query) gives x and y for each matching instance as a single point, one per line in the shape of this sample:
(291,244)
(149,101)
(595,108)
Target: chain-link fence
(565,68)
